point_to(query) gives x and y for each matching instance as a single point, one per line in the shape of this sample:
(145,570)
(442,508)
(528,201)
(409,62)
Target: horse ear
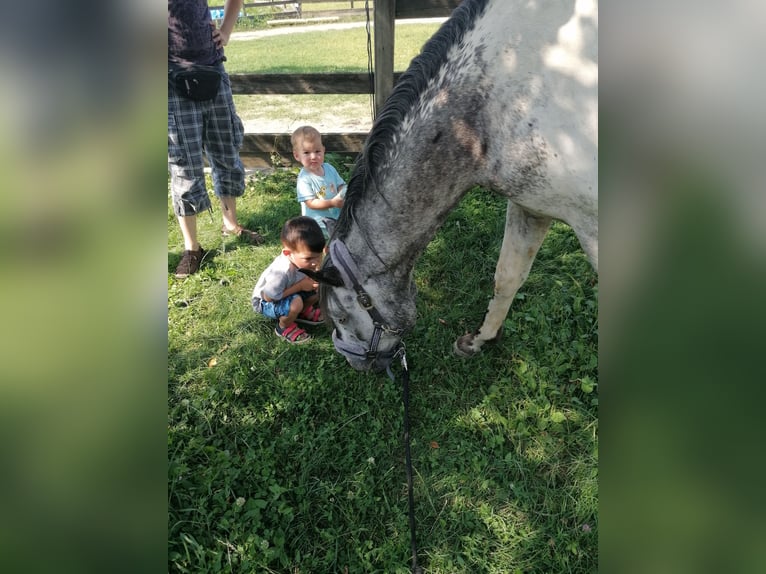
(330,276)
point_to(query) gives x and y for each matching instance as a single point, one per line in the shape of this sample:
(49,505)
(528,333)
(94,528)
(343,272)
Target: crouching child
(283,292)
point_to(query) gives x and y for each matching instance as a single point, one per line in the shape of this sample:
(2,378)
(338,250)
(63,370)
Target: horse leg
(586,230)
(524,234)
(589,242)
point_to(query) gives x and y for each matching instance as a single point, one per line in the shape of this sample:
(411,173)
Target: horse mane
(404,96)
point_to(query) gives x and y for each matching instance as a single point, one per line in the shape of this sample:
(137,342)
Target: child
(320,188)
(282,291)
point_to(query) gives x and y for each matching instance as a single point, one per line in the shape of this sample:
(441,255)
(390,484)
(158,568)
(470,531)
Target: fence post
(384,50)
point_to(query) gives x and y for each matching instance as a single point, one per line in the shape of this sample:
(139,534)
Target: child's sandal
(311,316)
(293,334)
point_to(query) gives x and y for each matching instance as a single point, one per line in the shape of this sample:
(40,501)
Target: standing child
(283,292)
(320,187)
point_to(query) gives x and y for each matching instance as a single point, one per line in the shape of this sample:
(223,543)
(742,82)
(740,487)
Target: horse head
(370,312)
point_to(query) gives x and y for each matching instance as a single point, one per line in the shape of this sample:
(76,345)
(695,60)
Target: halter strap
(349,272)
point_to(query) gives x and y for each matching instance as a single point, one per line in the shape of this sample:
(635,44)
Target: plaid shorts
(196,129)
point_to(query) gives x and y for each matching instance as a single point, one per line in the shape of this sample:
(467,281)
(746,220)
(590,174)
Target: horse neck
(399,216)
(420,159)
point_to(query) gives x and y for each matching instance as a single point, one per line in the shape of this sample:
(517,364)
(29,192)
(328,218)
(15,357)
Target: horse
(504,96)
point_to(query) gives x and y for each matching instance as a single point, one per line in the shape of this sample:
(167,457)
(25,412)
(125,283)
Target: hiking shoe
(189,263)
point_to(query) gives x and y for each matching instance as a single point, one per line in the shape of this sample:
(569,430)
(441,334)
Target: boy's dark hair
(303,230)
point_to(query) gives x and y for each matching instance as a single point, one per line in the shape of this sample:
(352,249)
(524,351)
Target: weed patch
(284,459)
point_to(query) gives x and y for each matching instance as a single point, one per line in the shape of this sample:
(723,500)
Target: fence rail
(303,84)
(275,3)
(258,150)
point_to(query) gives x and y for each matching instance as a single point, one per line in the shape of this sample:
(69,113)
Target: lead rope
(407,458)
(370,70)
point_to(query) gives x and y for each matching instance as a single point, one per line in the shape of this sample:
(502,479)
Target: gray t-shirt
(276,278)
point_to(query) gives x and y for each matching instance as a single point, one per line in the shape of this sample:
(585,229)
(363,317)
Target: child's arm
(313,199)
(340,185)
(305,284)
(317,203)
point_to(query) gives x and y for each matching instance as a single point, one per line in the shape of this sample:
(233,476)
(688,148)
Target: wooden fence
(291,9)
(258,148)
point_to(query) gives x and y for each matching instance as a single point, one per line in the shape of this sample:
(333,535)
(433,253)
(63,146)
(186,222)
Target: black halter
(349,272)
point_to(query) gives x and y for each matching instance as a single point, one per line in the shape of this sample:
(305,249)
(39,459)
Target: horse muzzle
(360,357)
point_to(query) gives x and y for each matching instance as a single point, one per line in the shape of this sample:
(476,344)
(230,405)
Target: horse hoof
(463,347)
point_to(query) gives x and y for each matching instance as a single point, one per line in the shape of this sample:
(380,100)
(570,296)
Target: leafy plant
(284,459)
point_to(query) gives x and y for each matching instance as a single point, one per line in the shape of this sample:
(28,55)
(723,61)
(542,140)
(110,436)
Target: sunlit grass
(283,459)
(321,51)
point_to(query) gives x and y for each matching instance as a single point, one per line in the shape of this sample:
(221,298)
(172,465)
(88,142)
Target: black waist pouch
(197,83)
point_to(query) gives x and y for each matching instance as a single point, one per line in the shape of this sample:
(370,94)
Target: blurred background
(84,286)
(682,312)
(83,274)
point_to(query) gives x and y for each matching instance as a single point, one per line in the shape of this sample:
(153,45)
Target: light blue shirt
(312,186)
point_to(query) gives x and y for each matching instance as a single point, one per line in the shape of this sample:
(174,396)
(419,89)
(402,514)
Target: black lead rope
(407,458)
(349,273)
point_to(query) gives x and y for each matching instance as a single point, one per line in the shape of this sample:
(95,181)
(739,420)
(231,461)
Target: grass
(321,51)
(282,459)
(309,52)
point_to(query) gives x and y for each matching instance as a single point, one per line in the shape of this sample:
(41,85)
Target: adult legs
(196,129)
(188,225)
(229,211)
(187,177)
(224,134)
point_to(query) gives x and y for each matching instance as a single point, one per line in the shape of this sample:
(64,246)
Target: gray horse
(505,96)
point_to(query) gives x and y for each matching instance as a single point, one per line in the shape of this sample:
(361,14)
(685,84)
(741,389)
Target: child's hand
(308,284)
(337,201)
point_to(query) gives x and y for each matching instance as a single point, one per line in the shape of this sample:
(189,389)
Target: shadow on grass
(282,458)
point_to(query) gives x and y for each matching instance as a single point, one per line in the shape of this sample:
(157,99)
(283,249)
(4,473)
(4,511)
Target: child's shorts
(281,308)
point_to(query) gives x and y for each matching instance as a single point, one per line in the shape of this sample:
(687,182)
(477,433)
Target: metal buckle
(364,301)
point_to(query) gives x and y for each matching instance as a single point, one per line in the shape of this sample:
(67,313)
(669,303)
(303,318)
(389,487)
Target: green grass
(321,51)
(283,459)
